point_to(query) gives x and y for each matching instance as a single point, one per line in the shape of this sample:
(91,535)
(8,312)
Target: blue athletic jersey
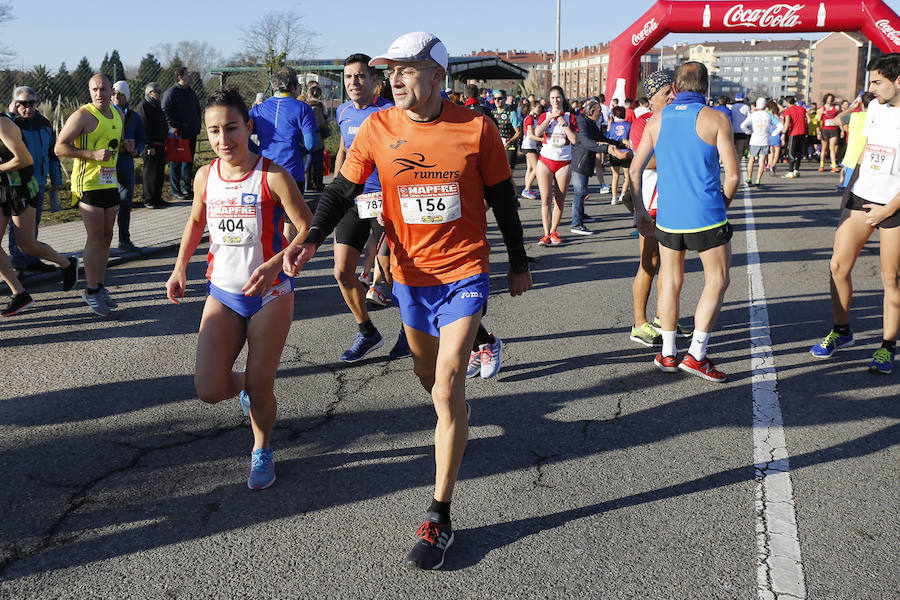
(690,196)
(280,123)
(349,119)
(619,130)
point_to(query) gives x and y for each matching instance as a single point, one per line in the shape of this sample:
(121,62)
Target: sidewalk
(153,230)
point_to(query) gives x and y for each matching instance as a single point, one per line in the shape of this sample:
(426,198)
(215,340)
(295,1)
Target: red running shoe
(544,241)
(701,368)
(555,240)
(666,364)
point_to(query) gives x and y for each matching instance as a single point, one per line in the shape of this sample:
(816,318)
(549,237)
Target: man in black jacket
(182,110)
(156,128)
(589,142)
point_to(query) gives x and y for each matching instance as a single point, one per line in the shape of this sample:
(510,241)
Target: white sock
(698,344)
(668,343)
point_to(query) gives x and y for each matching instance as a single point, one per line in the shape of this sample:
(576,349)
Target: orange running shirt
(433,177)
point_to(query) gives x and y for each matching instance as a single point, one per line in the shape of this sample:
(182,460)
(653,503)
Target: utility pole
(557,80)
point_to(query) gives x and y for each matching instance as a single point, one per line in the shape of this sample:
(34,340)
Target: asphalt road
(588,473)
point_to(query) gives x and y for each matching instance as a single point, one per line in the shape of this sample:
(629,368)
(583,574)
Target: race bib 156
(433,204)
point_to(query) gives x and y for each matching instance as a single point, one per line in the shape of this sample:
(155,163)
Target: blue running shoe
(832,342)
(401,348)
(882,362)
(262,469)
(362,346)
(244,399)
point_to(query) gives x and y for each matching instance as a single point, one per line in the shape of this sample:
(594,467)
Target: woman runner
(243,198)
(557,128)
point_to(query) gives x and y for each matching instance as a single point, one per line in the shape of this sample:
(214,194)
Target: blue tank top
(688,169)
(349,119)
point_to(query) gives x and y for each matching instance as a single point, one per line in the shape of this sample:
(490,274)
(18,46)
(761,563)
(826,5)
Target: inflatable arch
(872,17)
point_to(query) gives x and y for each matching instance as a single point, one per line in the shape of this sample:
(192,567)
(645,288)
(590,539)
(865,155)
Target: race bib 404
(232,222)
(433,204)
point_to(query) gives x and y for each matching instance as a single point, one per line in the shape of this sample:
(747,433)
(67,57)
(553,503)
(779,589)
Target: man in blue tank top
(689,139)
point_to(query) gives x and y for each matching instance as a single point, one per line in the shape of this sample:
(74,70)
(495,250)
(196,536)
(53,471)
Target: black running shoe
(429,551)
(70,274)
(18,303)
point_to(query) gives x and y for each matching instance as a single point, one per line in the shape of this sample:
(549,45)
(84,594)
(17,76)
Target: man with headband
(438,164)
(658,87)
(688,140)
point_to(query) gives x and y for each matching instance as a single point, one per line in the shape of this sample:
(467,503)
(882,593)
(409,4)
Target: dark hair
(643,101)
(228,97)
(773,107)
(565,101)
(692,76)
(723,100)
(284,80)
(790,100)
(629,102)
(602,98)
(825,98)
(866,98)
(179,72)
(471,90)
(619,112)
(888,65)
(384,90)
(360,58)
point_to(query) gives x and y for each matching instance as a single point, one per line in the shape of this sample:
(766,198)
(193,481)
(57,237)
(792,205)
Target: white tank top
(245,224)
(556,144)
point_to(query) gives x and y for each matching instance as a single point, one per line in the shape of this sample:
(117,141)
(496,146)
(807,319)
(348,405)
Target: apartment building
(840,64)
(769,68)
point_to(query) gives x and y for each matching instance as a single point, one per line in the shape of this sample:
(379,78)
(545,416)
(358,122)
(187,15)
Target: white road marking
(779,573)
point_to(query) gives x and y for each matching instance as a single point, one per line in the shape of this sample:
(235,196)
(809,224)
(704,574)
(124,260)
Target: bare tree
(5,15)
(199,57)
(277,37)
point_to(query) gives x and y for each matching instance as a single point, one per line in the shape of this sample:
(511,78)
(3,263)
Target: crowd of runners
(416,175)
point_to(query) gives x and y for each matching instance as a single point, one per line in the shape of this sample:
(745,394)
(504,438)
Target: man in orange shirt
(438,164)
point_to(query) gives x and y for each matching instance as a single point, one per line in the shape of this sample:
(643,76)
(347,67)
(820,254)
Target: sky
(55,31)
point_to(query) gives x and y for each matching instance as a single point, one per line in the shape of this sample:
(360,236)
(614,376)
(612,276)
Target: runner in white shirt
(871,201)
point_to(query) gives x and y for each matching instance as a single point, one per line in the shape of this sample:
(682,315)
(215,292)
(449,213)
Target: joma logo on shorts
(471,295)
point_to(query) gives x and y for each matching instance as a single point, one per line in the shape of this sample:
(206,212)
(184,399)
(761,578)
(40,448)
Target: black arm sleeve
(336,200)
(502,200)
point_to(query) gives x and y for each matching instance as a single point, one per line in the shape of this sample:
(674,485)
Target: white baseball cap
(760,103)
(410,47)
(122,88)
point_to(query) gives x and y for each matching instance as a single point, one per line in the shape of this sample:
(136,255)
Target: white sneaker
(490,358)
(474,367)
(375,296)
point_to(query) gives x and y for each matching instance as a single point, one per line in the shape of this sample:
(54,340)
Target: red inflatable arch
(872,17)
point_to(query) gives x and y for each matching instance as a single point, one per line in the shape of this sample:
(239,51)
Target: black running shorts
(699,241)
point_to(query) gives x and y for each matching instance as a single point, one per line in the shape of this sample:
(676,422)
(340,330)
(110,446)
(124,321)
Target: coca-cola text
(777,15)
(649,27)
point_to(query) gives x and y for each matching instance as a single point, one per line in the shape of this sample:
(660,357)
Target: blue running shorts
(247,306)
(429,308)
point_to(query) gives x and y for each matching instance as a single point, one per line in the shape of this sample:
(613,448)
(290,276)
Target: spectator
(740,110)
(156,130)
(317,154)
(472,102)
(643,107)
(39,138)
(133,141)
(182,110)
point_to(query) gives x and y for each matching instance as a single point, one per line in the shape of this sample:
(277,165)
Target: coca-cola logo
(777,15)
(892,34)
(648,28)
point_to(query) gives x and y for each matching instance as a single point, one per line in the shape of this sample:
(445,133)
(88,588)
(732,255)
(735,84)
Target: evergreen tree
(167,76)
(81,76)
(41,82)
(148,71)
(63,84)
(104,65)
(115,70)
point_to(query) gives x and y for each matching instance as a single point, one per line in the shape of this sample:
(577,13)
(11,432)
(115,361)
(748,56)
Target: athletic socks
(842,330)
(668,343)
(442,509)
(92,291)
(698,344)
(889,345)
(482,337)
(367,329)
